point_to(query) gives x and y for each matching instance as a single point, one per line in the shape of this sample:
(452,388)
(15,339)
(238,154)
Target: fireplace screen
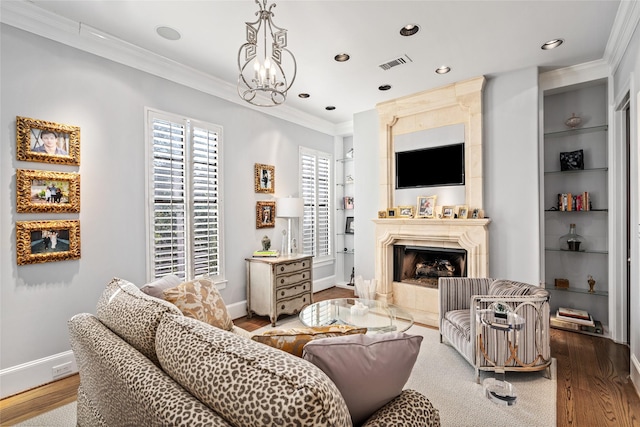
(423,266)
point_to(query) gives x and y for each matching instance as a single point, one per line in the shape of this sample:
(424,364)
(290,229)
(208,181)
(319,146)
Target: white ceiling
(472,37)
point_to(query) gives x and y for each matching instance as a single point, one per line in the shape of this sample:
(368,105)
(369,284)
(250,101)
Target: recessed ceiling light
(330,108)
(303,95)
(552,44)
(168,33)
(409,30)
(443,70)
(342,57)
(384,87)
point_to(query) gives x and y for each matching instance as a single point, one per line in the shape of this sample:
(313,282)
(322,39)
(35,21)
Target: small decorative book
(266,254)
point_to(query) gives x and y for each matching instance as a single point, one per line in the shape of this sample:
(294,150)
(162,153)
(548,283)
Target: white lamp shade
(289,207)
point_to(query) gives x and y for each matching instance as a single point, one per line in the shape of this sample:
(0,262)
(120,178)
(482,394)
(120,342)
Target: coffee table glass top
(376,316)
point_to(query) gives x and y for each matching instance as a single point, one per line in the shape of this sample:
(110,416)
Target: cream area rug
(64,416)
(448,381)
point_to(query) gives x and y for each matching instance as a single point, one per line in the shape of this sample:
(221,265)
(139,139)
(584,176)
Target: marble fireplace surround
(456,103)
(471,235)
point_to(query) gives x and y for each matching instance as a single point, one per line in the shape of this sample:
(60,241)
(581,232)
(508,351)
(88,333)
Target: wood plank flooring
(594,388)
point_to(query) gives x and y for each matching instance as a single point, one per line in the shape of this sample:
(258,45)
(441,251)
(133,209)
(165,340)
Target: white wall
(45,80)
(366,146)
(511,164)
(627,79)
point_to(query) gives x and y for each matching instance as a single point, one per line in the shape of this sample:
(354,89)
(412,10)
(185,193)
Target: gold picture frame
(36,138)
(406,211)
(264,178)
(265,214)
(448,212)
(32,246)
(44,191)
(382,214)
(426,207)
(392,213)
(462,211)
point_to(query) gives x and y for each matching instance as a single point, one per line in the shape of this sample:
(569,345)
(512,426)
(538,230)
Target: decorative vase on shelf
(572,241)
(573,121)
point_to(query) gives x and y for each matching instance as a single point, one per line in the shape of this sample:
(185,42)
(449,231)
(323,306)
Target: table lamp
(289,207)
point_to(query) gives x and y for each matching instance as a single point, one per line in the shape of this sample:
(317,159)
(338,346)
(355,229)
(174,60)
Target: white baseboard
(17,379)
(635,373)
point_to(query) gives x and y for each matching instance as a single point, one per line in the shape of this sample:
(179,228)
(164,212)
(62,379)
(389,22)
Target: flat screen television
(430,167)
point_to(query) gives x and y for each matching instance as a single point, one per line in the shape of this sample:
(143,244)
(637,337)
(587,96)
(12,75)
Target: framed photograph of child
(47,142)
(463,211)
(426,207)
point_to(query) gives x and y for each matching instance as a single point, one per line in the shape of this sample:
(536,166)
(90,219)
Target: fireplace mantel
(471,235)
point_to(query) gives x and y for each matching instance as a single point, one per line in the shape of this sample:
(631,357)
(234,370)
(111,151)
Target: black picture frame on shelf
(572,160)
(349,225)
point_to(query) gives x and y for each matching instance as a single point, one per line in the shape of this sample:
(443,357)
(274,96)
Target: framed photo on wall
(426,207)
(264,178)
(46,241)
(265,214)
(47,142)
(43,191)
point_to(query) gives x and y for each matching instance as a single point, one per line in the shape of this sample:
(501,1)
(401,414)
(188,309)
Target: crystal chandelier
(262,80)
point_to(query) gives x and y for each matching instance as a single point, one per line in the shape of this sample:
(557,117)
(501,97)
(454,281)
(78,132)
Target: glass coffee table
(376,316)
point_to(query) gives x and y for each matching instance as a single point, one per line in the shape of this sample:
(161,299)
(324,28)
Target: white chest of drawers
(275,286)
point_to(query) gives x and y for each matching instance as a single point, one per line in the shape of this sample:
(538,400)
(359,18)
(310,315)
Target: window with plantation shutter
(315,188)
(185,221)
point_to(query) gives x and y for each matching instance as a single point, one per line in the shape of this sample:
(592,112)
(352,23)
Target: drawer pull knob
(282,268)
(281,280)
(304,299)
(282,308)
(282,293)
(304,276)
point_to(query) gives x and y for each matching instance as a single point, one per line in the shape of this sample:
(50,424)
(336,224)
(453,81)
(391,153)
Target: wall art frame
(265,214)
(264,178)
(406,211)
(44,191)
(32,246)
(349,227)
(426,207)
(34,137)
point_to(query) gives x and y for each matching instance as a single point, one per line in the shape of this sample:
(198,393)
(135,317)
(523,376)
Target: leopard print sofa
(142,363)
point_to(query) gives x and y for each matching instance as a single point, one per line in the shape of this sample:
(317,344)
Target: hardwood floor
(594,388)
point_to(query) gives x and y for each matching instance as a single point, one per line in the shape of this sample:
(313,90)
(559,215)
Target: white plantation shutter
(185,219)
(315,188)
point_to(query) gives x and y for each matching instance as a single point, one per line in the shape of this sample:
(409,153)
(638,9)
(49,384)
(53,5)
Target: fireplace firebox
(423,266)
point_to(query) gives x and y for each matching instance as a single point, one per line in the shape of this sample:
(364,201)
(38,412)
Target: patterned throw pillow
(200,299)
(293,340)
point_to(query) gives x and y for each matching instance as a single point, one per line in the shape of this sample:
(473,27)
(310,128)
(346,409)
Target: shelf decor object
(572,241)
(573,121)
(289,207)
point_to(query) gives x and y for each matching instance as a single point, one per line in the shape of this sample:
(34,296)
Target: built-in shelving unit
(588,102)
(344,241)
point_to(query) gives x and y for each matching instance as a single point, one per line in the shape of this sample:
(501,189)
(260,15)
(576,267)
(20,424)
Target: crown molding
(625,24)
(28,17)
(576,74)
